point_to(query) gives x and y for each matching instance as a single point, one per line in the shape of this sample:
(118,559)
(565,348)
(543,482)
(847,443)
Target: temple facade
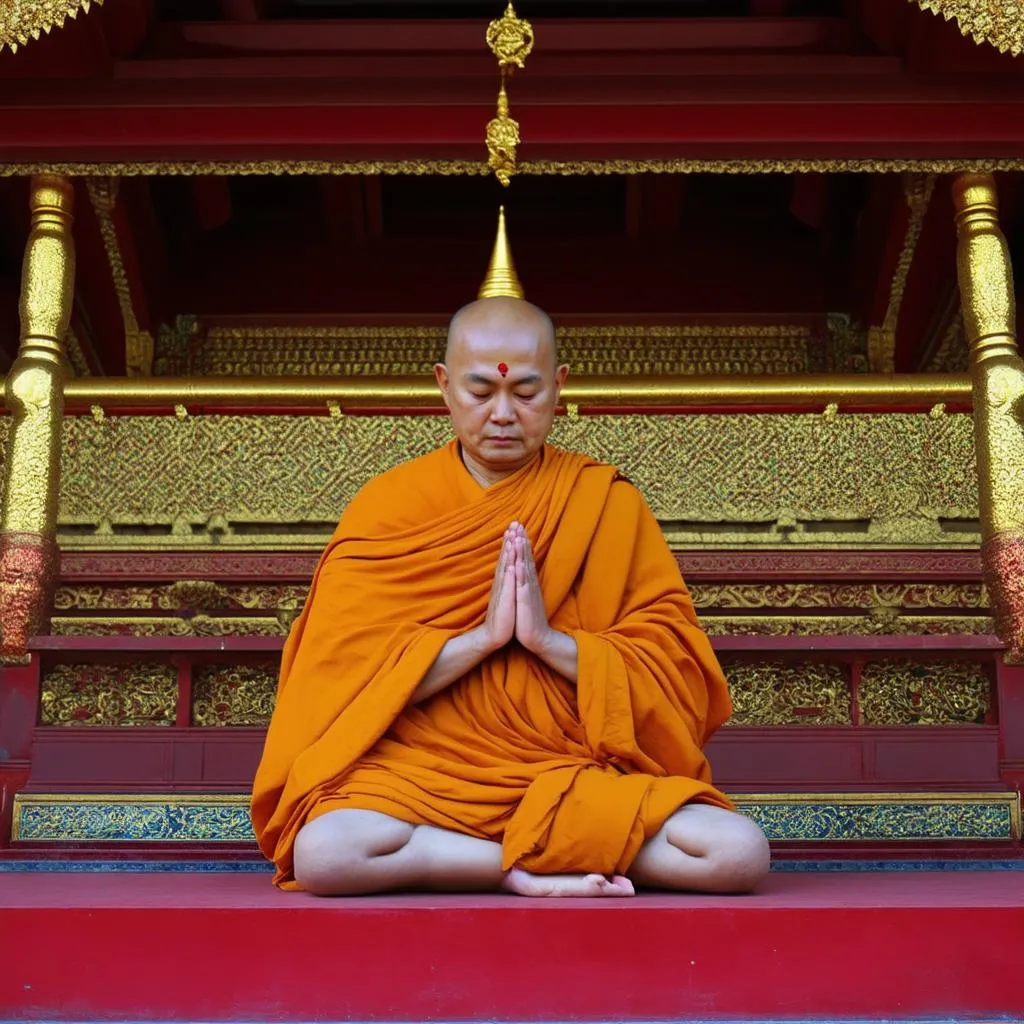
(778,241)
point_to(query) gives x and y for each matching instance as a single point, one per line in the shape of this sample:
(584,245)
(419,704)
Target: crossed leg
(355,852)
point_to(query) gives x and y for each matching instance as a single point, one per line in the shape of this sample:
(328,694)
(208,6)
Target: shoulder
(621,487)
(393,499)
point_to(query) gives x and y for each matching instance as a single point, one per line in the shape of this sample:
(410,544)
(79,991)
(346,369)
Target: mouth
(502,440)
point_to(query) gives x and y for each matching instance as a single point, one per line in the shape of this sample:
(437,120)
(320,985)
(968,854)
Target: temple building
(780,241)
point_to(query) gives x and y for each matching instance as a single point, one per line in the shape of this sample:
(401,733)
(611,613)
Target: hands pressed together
(517,608)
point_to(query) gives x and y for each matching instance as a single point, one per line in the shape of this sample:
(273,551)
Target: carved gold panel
(196,595)
(233,694)
(140,693)
(169,625)
(839,595)
(778,693)
(189,349)
(266,482)
(847,625)
(905,692)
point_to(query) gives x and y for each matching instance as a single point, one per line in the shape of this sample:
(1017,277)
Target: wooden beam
(606,118)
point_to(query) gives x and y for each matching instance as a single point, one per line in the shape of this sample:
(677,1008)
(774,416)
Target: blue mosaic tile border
(819,817)
(23,866)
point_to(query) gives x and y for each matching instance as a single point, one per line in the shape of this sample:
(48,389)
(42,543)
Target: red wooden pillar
(1010,693)
(19,704)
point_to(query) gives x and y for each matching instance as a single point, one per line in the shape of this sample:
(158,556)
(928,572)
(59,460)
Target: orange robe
(569,778)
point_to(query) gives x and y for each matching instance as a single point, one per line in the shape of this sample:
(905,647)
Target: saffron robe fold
(569,778)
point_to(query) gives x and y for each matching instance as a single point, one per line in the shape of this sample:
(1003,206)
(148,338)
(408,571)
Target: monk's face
(501,383)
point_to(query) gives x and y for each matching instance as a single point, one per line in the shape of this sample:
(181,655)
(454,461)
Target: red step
(221,947)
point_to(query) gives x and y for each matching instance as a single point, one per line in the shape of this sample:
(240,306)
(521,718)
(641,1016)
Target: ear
(560,374)
(442,379)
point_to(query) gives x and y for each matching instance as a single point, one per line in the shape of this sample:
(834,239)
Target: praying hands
(515,611)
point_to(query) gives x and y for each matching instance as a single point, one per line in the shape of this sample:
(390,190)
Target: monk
(498,681)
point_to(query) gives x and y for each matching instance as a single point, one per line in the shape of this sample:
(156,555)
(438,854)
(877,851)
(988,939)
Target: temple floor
(205,943)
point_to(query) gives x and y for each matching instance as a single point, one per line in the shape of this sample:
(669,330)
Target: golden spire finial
(501,277)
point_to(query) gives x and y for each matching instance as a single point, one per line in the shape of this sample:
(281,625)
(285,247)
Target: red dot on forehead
(503,368)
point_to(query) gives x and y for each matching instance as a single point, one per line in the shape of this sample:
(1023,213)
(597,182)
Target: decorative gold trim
(510,39)
(997,22)
(77,362)
(786,817)
(23,20)
(565,168)
(191,349)
(138,344)
(917,190)
(812,390)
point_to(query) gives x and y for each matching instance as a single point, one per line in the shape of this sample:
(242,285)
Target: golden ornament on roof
(510,38)
(502,140)
(501,279)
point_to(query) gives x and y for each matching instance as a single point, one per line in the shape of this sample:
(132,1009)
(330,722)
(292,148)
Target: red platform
(895,945)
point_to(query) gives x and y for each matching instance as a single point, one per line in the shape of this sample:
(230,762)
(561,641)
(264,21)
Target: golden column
(35,398)
(997,373)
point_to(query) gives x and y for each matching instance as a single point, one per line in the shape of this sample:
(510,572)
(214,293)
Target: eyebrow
(479,378)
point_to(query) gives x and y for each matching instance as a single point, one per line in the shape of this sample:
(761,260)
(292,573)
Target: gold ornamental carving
(226,695)
(714,624)
(210,596)
(917,190)
(565,168)
(135,694)
(34,397)
(846,625)
(148,482)
(182,595)
(165,625)
(851,596)
(77,362)
(23,20)
(511,41)
(502,140)
(952,354)
(185,349)
(904,692)
(779,693)
(997,371)
(997,22)
(139,345)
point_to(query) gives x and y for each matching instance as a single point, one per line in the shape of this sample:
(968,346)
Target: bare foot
(522,883)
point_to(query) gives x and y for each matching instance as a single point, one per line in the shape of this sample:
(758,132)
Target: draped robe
(567,777)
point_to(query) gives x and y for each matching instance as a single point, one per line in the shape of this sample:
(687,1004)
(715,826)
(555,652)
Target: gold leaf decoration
(564,168)
(22,20)
(510,39)
(997,22)
(187,350)
(233,694)
(140,693)
(779,693)
(268,481)
(906,692)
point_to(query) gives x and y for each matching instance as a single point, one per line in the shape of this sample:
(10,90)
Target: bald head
(487,322)
(501,382)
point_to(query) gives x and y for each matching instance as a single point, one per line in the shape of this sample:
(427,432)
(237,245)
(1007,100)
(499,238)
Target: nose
(503,409)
